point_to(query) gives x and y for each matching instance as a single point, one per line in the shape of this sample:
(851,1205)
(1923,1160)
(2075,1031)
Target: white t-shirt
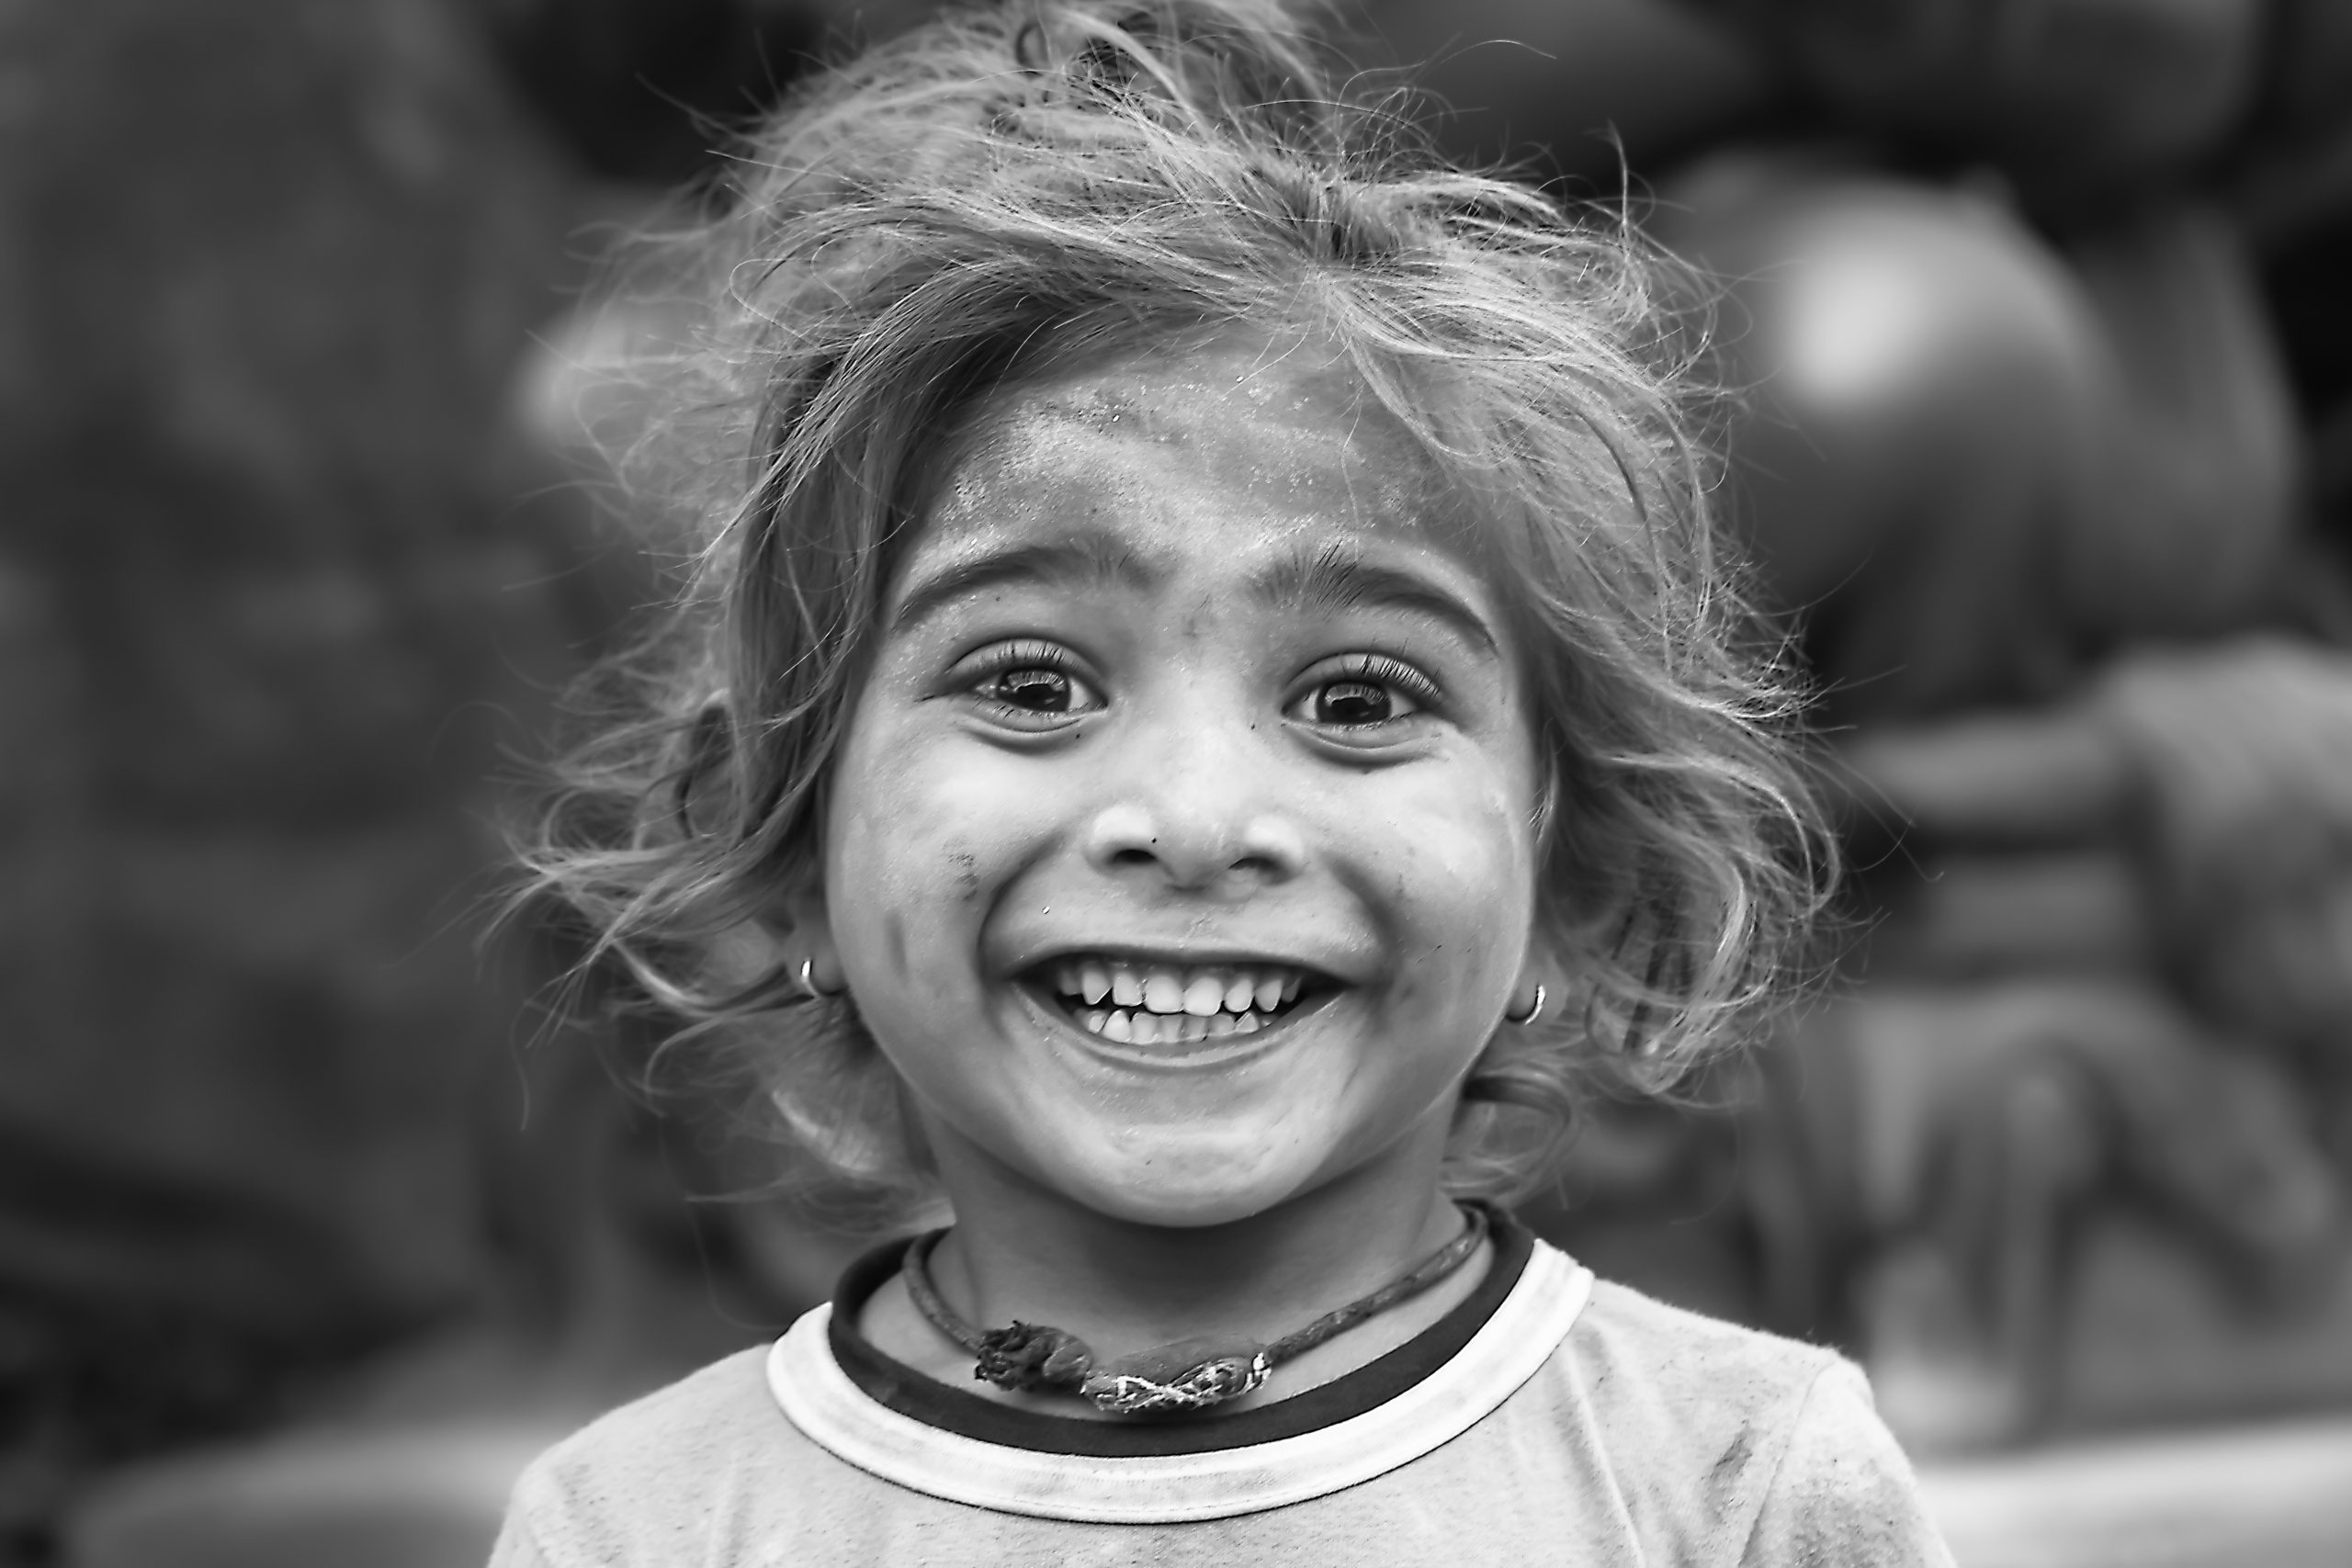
(1547,1418)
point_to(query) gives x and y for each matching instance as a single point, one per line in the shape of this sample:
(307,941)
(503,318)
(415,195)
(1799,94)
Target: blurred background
(314,1225)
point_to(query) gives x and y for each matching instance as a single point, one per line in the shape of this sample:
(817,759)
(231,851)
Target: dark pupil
(1040,690)
(1351,702)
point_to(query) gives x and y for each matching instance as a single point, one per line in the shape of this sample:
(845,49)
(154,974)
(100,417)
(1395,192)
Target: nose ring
(1534,1011)
(808,982)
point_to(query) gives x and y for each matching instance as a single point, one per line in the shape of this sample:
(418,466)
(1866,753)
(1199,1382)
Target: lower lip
(1210,1051)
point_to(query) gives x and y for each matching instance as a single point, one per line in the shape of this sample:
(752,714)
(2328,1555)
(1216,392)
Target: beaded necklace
(1188,1375)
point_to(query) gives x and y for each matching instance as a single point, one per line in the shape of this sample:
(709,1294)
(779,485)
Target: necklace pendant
(1173,1378)
(1199,1386)
(1032,1356)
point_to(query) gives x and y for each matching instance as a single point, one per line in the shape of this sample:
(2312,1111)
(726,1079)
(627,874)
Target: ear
(1541,968)
(699,798)
(797,920)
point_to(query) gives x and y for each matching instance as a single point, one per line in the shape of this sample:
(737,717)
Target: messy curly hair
(1020,187)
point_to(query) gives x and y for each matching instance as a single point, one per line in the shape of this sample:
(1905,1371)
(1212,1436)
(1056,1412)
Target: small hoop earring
(1534,1011)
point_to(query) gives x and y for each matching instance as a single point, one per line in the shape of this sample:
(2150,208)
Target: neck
(1019,1250)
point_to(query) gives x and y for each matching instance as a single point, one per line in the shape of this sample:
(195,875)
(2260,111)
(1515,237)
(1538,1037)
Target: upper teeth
(1199,990)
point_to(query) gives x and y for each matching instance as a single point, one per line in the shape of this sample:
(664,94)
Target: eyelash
(994,662)
(1376,669)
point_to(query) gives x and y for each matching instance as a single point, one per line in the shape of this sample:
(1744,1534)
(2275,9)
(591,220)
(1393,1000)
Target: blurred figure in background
(2029,462)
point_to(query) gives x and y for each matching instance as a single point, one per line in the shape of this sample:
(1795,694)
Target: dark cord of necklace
(1191,1374)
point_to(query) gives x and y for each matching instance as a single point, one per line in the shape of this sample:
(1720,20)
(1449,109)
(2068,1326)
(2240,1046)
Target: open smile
(1140,1003)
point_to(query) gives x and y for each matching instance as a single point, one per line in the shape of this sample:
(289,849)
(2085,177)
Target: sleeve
(1843,1496)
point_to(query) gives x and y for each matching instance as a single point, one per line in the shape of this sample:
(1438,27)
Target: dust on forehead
(1290,423)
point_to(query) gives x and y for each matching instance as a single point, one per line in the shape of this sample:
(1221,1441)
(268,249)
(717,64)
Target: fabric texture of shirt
(1548,1419)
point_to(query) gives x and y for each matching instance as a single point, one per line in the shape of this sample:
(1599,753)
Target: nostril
(1133,857)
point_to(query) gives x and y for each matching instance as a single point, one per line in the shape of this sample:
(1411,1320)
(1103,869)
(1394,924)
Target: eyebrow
(1335,579)
(1086,559)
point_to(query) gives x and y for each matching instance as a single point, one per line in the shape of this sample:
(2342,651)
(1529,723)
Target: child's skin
(1182,670)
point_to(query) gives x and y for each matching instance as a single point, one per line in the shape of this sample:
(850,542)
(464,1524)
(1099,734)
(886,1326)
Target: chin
(1184,1185)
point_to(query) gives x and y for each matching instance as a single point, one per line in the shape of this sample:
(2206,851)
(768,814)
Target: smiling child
(1207,721)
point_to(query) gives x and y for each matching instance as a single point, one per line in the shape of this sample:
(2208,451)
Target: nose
(1196,811)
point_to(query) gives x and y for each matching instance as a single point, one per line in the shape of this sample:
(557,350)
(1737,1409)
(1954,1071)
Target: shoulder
(1842,1492)
(1734,1446)
(1639,1349)
(649,1477)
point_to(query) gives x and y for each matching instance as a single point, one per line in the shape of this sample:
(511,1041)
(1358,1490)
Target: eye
(1027,684)
(1364,691)
(1033,689)
(1358,702)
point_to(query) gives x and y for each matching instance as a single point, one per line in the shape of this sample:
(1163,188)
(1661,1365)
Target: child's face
(1184,694)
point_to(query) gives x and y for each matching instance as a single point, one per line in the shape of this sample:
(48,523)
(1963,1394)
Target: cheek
(895,858)
(919,841)
(1458,856)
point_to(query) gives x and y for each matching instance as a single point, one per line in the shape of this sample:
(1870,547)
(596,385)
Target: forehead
(1281,440)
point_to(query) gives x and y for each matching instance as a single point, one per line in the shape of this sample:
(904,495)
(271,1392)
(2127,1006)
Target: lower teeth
(1137,1026)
